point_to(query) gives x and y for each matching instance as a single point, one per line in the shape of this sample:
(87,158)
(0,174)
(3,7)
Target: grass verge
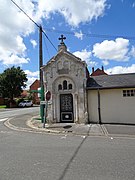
(2,106)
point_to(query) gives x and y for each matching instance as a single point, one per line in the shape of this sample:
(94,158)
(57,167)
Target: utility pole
(41,74)
(40,90)
(40,56)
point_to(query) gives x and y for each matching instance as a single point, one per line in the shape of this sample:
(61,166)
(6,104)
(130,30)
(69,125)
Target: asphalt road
(37,156)
(8,113)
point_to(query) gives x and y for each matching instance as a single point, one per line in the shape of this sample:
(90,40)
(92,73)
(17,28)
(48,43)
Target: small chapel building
(78,97)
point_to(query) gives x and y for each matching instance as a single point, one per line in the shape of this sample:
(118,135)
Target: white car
(25,103)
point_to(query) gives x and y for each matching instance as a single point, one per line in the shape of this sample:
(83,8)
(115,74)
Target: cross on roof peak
(62,38)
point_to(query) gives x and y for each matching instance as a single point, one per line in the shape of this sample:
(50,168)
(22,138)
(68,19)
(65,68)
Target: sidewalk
(33,124)
(71,128)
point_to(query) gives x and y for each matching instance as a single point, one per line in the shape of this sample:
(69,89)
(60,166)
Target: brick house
(1,100)
(24,94)
(34,86)
(98,72)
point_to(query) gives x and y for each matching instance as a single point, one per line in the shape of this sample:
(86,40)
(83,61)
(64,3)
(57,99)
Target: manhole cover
(67,127)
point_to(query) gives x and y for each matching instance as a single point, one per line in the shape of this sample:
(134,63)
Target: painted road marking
(4,119)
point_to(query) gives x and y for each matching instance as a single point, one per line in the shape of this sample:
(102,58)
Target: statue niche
(63,68)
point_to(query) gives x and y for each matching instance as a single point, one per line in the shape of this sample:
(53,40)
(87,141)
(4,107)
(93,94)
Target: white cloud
(79,35)
(105,62)
(92,63)
(11,58)
(14,26)
(15,60)
(30,81)
(89,9)
(85,56)
(112,50)
(121,69)
(53,28)
(32,74)
(33,42)
(132,52)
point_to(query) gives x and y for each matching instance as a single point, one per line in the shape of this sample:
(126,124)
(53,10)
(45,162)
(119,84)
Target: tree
(12,82)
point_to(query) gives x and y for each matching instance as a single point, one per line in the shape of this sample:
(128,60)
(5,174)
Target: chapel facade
(65,76)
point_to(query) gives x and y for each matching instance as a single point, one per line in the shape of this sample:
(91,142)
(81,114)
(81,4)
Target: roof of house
(98,72)
(36,81)
(111,81)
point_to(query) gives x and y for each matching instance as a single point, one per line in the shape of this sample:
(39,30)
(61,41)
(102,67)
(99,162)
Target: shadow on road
(73,157)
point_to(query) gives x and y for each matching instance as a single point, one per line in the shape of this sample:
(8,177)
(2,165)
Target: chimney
(92,69)
(102,68)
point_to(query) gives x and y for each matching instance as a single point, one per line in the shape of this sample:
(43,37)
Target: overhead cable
(25,13)
(33,22)
(91,35)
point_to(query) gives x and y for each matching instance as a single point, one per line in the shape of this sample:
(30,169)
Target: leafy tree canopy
(12,82)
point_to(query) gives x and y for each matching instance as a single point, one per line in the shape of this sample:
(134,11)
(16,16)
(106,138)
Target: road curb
(11,126)
(30,124)
(49,130)
(34,129)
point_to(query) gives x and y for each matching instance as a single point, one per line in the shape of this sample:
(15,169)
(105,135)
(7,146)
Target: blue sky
(83,22)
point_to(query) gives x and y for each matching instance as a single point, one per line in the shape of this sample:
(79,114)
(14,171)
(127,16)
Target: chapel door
(66,108)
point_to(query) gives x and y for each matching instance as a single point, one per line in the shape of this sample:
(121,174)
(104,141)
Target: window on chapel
(59,87)
(70,86)
(64,84)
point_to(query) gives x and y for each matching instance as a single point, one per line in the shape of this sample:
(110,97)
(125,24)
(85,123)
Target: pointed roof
(98,72)
(63,52)
(35,82)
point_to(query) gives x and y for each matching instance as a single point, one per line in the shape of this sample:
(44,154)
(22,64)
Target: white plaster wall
(93,106)
(114,107)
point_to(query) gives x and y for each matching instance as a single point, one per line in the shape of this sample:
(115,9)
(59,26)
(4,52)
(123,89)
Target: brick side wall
(1,101)
(35,86)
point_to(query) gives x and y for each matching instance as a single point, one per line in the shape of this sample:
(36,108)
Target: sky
(100,32)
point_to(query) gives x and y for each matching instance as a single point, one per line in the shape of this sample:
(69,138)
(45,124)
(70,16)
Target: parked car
(25,103)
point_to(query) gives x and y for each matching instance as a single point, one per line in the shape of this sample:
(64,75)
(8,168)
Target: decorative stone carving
(66,65)
(47,76)
(59,65)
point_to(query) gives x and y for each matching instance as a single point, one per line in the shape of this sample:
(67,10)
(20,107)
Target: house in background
(2,101)
(34,86)
(98,72)
(25,94)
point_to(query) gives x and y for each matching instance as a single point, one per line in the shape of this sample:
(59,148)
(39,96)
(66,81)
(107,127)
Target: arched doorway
(66,108)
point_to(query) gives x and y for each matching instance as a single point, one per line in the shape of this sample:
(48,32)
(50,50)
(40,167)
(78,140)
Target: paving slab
(120,129)
(78,129)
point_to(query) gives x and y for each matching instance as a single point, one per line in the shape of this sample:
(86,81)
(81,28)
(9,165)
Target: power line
(49,39)
(33,22)
(91,35)
(25,14)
